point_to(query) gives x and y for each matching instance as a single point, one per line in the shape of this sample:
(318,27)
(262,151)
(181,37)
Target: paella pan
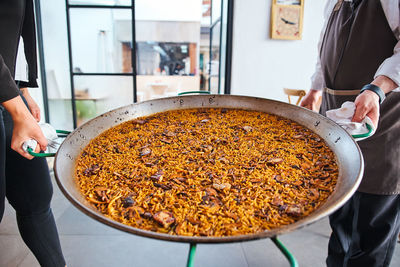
(347,153)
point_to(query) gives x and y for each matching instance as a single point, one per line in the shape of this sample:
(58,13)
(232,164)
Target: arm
(25,126)
(8,89)
(367,103)
(387,78)
(312,97)
(34,108)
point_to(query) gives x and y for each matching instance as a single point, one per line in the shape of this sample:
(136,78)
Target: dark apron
(357,40)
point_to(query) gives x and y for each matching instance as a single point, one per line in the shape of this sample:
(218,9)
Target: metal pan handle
(60,133)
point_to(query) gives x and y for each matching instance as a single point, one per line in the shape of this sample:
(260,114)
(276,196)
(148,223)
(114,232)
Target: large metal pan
(348,155)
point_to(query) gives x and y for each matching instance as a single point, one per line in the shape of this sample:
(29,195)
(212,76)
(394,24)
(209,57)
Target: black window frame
(133,74)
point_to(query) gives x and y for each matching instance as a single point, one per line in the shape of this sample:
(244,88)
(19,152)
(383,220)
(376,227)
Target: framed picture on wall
(287,19)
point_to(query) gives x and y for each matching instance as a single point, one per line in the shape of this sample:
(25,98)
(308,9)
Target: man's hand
(367,104)
(35,110)
(25,127)
(311,99)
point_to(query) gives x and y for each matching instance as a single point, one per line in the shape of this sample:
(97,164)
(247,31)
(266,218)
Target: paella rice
(207,172)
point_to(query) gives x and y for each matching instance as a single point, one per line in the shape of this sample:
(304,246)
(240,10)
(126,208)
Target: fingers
(308,106)
(37,149)
(306,103)
(367,104)
(42,142)
(26,155)
(28,145)
(360,113)
(17,147)
(24,130)
(33,106)
(35,110)
(374,116)
(36,114)
(360,116)
(310,100)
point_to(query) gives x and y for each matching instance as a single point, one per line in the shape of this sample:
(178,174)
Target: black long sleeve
(8,88)
(16,20)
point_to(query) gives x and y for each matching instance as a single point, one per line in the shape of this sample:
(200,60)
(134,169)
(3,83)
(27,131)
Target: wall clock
(287,19)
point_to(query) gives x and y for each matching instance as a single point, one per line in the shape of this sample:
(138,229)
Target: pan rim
(311,218)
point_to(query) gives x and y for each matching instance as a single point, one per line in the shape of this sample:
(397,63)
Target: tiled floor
(87,243)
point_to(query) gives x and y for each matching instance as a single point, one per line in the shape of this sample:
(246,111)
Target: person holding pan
(359,61)
(23,180)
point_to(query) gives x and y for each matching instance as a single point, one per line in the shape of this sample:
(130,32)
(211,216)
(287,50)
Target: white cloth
(21,66)
(48,131)
(343,116)
(390,67)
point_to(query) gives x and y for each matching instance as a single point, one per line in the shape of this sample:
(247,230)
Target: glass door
(103,54)
(173,47)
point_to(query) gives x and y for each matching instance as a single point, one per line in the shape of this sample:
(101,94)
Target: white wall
(168,10)
(262,66)
(55,47)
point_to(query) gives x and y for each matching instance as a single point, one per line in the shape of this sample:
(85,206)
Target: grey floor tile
(261,253)
(8,225)
(12,250)
(309,249)
(121,251)
(304,244)
(396,256)
(59,203)
(29,261)
(320,228)
(75,222)
(220,255)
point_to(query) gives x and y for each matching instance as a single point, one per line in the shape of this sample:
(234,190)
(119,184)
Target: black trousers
(28,188)
(2,164)
(365,231)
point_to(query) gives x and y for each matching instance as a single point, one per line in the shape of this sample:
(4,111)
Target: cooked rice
(207,172)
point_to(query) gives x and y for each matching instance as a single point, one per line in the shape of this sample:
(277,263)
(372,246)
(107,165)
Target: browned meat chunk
(293,210)
(93,169)
(277,201)
(274,161)
(164,218)
(128,202)
(145,151)
(141,122)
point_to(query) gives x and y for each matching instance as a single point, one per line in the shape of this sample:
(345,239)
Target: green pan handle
(192,251)
(40,155)
(289,256)
(194,92)
(370,130)
(60,133)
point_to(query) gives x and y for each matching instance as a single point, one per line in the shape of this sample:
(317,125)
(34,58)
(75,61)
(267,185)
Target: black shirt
(16,20)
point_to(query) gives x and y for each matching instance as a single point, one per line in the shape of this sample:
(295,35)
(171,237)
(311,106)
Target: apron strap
(341,92)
